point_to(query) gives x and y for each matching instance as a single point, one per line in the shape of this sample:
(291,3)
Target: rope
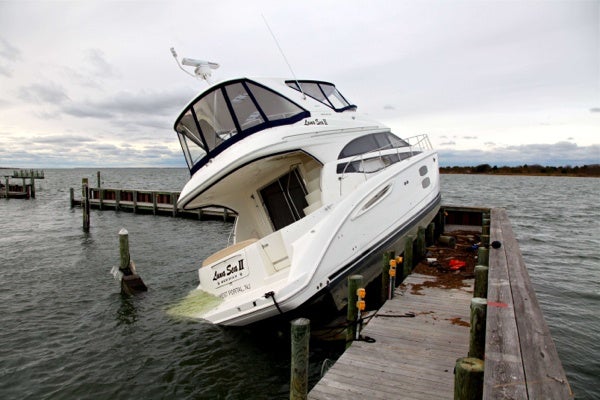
(272,295)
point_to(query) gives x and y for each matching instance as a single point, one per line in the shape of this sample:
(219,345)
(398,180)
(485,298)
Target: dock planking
(412,358)
(521,360)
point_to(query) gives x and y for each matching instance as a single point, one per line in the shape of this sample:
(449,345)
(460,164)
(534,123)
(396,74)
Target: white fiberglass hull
(255,283)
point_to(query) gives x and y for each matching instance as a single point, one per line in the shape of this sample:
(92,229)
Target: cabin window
(285,199)
(368,144)
(372,142)
(324,92)
(273,106)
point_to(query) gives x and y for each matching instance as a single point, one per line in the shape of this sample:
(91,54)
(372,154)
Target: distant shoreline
(589,171)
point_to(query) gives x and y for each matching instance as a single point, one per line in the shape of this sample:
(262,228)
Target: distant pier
(154,202)
(11,190)
(427,330)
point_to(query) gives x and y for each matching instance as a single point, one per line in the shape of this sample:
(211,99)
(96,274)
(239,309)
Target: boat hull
(349,239)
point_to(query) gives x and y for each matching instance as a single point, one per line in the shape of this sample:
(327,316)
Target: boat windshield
(324,92)
(226,114)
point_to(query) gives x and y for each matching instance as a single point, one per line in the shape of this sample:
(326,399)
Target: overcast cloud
(93,83)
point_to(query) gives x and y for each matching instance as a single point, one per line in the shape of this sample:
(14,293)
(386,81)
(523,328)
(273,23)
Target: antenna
(283,55)
(203,69)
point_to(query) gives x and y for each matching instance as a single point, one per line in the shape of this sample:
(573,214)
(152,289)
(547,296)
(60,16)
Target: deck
(412,358)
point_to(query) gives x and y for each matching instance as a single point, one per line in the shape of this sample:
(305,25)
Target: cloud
(125,104)
(49,92)
(8,55)
(595,109)
(470,137)
(557,154)
(99,65)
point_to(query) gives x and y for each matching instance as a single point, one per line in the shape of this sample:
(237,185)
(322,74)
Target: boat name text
(229,272)
(315,121)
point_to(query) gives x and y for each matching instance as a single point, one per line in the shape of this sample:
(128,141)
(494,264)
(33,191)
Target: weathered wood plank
(504,377)
(546,378)
(412,358)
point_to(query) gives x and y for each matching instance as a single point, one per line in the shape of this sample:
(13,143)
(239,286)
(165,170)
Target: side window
(273,105)
(243,106)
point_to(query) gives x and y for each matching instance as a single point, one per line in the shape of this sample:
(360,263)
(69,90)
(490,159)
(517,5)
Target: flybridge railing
(383,157)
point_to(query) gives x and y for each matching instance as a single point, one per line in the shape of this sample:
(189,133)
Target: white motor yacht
(320,192)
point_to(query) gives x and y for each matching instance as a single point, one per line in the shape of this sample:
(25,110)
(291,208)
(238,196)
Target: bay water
(66,332)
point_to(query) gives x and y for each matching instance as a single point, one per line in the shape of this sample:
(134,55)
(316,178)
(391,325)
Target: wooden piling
(154,203)
(300,334)
(174,202)
(468,379)
(131,282)
(430,234)
(99,181)
(483,256)
(85,192)
(72,197)
(477,335)
(6,186)
(408,256)
(117,199)
(385,276)
(485,240)
(481,281)
(354,282)
(420,245)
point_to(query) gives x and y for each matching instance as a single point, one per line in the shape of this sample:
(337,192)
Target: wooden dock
(26,190)
(415,357)
(154,202)
(412,358)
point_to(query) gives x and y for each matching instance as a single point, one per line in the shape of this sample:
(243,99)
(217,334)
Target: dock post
(85,192)
(420,244)
(483,256)
(485,240)
(32,181)
(354,282)
(117,199)
(299,363)
(477,335)
(385,276)
(72,197)
(408,256)
(154,203)
(6,187)
(174,203)
(131,282)
(430,234)
(134,194)
(99,181)
(101,196)
(392,273)
(481,281)
(468,379)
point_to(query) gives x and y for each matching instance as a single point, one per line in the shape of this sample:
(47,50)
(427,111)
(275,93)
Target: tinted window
(243,106)
(372,142)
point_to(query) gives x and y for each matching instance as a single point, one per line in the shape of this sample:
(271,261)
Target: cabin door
(285,199)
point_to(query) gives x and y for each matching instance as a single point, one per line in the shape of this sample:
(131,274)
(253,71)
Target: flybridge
(229,112)
(235,109)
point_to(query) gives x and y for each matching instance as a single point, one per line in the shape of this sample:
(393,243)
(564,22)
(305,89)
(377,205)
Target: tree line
(592,170)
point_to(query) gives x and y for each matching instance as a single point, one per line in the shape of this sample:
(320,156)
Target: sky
(93,83)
